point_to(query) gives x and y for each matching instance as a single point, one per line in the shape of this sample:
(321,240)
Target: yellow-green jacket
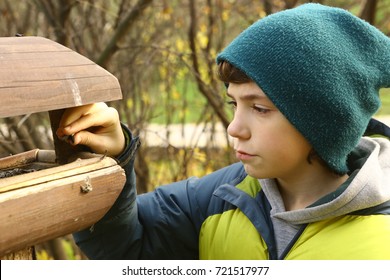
(229,215)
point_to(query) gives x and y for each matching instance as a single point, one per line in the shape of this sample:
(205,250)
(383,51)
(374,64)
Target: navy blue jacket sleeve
(105,239)
(163,224)
(173,214)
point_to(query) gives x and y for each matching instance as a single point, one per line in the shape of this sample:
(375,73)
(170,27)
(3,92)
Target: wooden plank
(13,44)
(37,75)
(62,171)
(36,214)
(63,149)
(18,159)
(40,59)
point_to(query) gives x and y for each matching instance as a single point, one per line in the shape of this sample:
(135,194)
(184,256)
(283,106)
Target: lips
(241,155)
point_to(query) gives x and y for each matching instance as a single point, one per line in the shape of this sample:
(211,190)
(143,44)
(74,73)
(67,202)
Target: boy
(304,85)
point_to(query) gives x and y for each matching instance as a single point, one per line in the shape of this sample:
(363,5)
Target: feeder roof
(37,74)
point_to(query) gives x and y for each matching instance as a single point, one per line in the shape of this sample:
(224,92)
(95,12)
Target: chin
(257,173)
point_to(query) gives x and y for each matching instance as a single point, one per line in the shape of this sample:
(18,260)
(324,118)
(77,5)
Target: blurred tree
(368,11)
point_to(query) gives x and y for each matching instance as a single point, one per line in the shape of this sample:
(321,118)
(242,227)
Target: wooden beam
(63,150)
(39,75)
(56,201)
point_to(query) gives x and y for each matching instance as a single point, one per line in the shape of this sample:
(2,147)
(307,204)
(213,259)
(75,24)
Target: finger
(85,117)
(98,144)
(101,121)
(72,114)
(68,117)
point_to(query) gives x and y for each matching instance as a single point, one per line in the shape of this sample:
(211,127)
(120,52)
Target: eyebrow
(248,97)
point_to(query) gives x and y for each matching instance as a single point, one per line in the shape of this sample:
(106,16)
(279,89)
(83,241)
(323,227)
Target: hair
(227,73)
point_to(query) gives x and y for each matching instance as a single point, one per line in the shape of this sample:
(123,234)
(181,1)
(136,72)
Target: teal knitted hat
(322,67)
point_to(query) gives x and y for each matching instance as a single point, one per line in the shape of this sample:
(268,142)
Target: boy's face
(267,144)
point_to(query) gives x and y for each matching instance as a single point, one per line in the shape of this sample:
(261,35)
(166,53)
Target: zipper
(293,241)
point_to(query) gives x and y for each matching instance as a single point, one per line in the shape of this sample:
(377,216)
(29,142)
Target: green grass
(185,104)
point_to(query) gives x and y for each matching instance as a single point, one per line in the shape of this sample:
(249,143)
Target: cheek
(285,145)
(292,152)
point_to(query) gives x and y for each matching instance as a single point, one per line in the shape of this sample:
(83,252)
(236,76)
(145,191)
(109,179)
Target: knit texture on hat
(322,67)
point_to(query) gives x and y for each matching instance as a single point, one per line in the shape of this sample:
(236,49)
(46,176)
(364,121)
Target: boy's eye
(256,108)
(261,110)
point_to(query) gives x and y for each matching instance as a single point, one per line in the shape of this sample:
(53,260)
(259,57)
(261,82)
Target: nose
(239,128)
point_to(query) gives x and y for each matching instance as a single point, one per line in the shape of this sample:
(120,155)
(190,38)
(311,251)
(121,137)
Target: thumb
(108,144)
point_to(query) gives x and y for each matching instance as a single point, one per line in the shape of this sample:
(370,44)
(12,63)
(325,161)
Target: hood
(367,186)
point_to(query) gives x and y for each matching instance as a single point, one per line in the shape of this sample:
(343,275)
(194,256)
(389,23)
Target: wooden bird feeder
(69,189)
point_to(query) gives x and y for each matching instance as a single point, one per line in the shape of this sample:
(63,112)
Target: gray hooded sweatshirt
(368,185)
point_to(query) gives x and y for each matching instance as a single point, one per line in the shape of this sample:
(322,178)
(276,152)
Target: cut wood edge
(78,166)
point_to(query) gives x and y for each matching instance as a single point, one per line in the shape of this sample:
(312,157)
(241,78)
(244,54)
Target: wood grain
(61,171)
(60,205)
(39,75)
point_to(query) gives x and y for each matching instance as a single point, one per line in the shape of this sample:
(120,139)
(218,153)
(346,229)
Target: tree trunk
(368,11)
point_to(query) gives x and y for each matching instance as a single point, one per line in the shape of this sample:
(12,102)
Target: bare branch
(122,29)
(212,98)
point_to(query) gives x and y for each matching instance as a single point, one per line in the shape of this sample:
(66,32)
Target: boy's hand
(96,126)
